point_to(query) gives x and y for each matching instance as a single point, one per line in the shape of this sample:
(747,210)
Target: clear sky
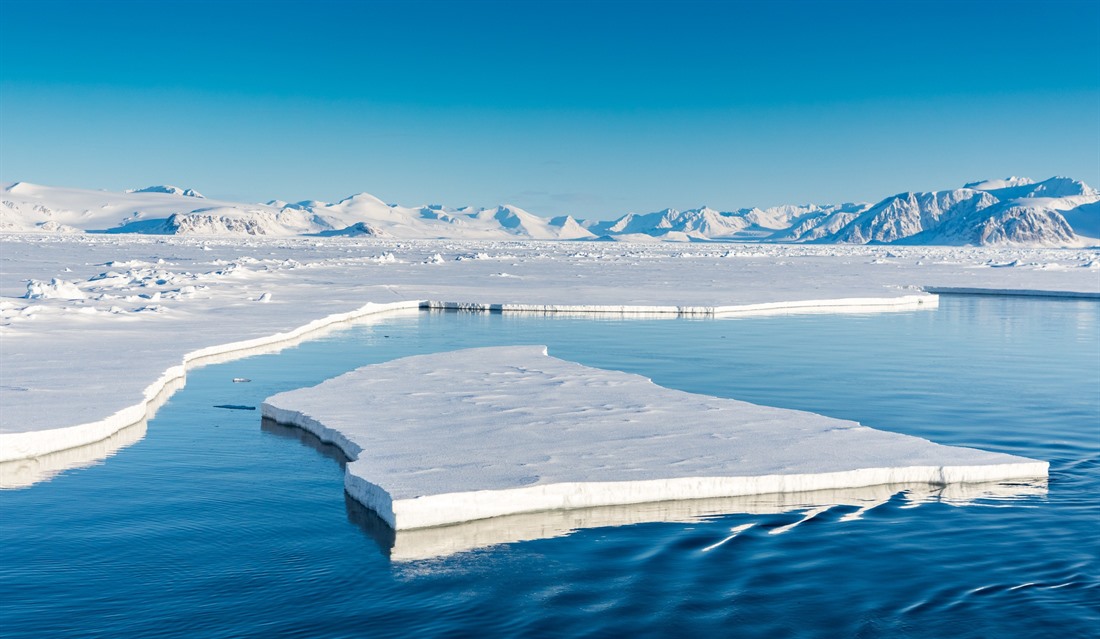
(588,108)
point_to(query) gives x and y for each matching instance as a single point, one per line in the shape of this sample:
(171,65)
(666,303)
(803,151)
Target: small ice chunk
(54,289)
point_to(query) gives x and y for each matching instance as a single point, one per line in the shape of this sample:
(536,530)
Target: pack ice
(472,434)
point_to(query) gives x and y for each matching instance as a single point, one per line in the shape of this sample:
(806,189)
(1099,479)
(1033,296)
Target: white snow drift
(452,437)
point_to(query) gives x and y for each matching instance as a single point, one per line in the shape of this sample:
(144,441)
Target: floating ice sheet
(454,437)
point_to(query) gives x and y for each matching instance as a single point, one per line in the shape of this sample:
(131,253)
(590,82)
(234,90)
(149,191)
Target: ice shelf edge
(35,443)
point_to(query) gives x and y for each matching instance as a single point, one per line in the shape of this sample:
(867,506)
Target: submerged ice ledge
(454,437)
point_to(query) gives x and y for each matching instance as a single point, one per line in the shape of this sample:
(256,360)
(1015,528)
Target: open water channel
(216,525)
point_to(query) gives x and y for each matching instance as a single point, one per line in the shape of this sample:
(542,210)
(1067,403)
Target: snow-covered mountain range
(1014,211)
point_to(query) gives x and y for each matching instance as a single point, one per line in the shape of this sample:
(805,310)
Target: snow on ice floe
(467,435)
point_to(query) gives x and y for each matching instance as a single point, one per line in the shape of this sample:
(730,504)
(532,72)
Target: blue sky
(593,109)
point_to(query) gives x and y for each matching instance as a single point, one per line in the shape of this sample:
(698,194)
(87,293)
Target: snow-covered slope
(1085,220)
(909,214)
(158,210)
(1055,212)
(167,188)
(705,223)
(435,221)
(1055,187)
(821,223)
(992,185)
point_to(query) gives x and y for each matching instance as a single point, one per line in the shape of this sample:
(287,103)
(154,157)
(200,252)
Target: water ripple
(214,525)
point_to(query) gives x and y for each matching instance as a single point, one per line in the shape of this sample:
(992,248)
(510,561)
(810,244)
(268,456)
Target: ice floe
(480,433)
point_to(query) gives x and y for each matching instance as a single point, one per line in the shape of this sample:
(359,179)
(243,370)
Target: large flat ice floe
(473,434)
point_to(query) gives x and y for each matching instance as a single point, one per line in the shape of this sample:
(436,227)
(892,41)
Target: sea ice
(172,302)
(453,437)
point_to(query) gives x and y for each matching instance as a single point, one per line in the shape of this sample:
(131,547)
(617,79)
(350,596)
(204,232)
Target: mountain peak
(169,189)
(993,185)
(1055,187)
(361,199)
(1012,210)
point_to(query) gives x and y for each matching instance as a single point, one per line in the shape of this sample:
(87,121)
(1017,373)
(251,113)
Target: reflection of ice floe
(428,543)
(306,438)
(20,473)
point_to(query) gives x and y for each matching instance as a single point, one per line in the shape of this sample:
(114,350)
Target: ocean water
(217,525)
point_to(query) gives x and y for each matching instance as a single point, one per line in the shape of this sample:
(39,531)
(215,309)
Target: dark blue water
(213,526)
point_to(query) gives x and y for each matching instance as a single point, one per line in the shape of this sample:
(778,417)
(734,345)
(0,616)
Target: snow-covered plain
(94,326)
(452,437)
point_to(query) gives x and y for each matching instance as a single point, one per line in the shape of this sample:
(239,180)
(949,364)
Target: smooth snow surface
(452,437)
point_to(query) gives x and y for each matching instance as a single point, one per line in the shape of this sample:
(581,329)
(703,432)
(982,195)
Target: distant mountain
(169,189)
(749,225)
(1055,212)
(908,214)
(1013,211)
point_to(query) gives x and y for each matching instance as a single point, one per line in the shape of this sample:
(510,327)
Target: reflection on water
(306,438)
(20,473)
(441,541)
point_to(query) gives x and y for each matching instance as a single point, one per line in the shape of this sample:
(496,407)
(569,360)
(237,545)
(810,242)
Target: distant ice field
(214,510)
